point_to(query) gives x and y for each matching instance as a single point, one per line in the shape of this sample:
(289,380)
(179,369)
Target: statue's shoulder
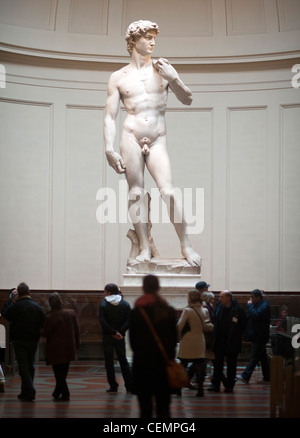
(119,74)
(125,69)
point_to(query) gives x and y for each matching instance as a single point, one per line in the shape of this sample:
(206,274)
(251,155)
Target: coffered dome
(191,31)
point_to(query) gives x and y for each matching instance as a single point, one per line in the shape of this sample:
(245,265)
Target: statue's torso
(144,94)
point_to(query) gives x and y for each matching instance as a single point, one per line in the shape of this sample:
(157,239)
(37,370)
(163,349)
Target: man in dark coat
(27,319)
(149,369)
(229,326)
(258,332)
(114,318)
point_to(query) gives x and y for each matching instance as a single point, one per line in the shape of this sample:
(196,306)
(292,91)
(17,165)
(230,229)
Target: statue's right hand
(115,161)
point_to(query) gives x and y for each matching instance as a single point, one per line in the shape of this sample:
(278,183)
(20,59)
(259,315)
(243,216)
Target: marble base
(176,277)
(171,272)
(175,296)
(165,280)
(160,264)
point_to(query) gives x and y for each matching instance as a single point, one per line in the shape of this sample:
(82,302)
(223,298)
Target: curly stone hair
(137,29)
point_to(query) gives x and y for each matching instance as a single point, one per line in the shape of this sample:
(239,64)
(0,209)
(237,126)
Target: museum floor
(87,384)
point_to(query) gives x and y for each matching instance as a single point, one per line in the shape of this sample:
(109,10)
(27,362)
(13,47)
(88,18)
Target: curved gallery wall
(239,140)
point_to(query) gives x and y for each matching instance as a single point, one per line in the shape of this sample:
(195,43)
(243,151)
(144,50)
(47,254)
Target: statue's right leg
(138,212)
(137,196)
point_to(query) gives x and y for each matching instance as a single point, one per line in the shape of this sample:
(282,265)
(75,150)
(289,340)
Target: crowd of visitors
(207,331)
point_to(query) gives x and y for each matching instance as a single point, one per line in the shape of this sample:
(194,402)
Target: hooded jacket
(114,315)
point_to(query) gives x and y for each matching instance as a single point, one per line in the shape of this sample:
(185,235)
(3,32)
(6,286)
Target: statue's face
(145,44)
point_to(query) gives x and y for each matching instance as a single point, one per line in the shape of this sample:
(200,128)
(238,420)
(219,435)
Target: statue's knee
(136,193)
(167,194)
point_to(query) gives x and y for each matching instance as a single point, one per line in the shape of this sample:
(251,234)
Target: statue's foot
(144,256)
(192,257)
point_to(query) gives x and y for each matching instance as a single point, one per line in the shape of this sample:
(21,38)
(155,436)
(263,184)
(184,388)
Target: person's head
(150,284)
(194,296)
(137,29)
(256,296)
(208,297)
(13,293)
(226,298)
(55,301)
(23,290)
(202,286)
(283,311)
(111,289)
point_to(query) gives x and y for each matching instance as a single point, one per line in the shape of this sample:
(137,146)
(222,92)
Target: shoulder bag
(207,334)
(176,374)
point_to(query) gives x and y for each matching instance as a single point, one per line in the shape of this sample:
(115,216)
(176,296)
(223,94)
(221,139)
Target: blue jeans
(258,354)
(109,346)
(25,354)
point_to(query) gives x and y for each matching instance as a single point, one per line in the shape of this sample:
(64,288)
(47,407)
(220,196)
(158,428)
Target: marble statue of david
(143,86)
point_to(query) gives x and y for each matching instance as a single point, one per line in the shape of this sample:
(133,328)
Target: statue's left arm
(168,72)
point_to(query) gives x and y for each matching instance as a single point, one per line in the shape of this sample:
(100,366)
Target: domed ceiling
(191,31)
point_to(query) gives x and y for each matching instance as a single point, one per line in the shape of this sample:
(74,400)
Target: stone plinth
(171,272)
(175,296)
(176,277)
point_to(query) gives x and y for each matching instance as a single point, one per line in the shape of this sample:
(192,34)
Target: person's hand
(118,336)
(165,69)
(115,161)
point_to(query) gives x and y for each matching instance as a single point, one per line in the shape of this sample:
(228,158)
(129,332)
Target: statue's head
(137,29)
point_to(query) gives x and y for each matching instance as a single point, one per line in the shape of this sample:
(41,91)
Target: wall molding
(117,59)
(24,70)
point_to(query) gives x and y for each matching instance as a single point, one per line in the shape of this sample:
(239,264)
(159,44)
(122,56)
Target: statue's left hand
(165,69)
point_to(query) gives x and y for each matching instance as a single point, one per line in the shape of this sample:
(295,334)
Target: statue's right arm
(111,112)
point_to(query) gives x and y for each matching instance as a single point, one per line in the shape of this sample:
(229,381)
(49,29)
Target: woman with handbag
(149,365)
(192,347)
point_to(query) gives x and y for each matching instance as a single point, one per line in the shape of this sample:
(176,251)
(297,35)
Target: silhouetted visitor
(149,370)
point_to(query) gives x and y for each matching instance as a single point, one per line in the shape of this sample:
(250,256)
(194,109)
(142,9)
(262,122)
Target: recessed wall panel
(289,15)
(290,206)
(88,17)
(25,193)
(38,14)
(245,17)
(182,18)
(246,216)
(83,234)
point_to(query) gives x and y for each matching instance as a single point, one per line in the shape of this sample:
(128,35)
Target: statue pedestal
(176,277)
